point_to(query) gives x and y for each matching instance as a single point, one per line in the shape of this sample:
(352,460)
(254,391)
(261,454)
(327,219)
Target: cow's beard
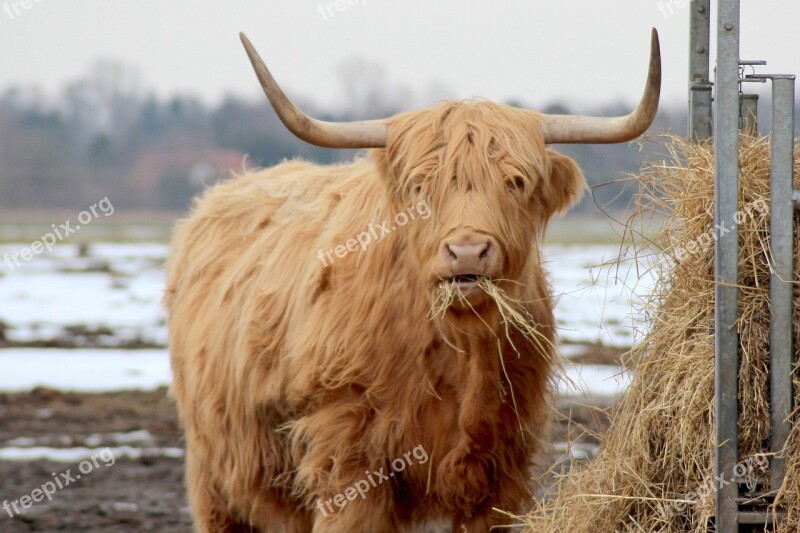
(499,326)
(488,307)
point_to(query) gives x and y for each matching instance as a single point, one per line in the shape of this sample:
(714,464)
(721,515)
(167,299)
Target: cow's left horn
(364,134)
(570,129)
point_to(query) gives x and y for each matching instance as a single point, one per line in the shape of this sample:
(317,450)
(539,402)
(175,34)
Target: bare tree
(367,92)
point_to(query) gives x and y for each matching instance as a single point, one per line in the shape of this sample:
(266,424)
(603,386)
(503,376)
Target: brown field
(146,494)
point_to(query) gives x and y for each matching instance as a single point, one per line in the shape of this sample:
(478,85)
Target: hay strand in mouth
(445,296)
(513,314)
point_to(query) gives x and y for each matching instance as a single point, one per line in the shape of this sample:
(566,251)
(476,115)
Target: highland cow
(296,379)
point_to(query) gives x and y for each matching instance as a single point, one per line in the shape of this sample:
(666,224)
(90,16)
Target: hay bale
(655,470)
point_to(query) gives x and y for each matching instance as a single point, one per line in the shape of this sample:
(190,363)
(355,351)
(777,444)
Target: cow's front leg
(465,473)
(510,493)
(462,479)
(336,467)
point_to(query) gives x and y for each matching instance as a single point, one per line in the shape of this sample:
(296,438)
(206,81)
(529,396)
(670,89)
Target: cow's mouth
(461,292)
(464,282)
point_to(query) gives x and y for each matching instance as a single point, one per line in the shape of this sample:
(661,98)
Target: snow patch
(74,455)
(83,370)
(593,381)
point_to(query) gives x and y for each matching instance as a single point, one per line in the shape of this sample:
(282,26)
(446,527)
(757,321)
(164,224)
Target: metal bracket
(748,103)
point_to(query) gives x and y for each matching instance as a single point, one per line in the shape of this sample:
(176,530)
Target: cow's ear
(563,187)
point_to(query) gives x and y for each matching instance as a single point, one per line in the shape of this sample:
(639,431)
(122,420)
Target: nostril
(468,255)
(486,250)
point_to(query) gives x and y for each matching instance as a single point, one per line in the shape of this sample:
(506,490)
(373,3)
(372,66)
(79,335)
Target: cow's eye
(516,183)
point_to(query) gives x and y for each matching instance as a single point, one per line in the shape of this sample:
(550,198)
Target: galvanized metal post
(699,70)
(781,280)
(726,268)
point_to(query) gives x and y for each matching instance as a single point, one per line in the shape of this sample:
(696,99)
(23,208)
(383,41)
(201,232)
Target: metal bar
(749,113)
(699,70)
(700,104)
(726,268)
(796,199)
(760,519)
(781,279)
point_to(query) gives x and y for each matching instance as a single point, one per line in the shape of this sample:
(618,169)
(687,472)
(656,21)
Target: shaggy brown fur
(293,378)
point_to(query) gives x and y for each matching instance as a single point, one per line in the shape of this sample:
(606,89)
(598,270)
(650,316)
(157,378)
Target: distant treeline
(104,135)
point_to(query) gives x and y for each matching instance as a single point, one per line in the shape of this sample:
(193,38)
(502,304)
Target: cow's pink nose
(470,257)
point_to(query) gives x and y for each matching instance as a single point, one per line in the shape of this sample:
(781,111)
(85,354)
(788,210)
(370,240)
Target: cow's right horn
(364,134)
(580,129)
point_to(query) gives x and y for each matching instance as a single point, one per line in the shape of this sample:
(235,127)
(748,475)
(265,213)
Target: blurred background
(113,117)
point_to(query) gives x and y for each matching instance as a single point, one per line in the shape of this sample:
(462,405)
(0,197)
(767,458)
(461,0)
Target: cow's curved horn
(569,129)
(364,134)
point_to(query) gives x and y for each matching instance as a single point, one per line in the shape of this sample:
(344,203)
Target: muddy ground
(144,494)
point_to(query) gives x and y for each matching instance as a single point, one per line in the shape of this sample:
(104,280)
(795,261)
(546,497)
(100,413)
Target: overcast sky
(584,52)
